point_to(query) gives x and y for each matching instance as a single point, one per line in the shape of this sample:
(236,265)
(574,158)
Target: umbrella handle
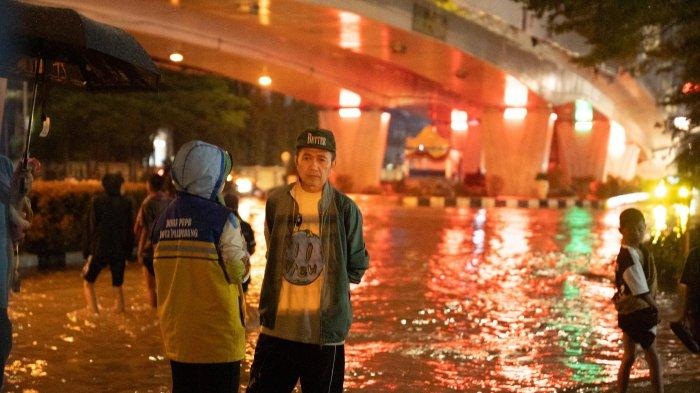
(38,74)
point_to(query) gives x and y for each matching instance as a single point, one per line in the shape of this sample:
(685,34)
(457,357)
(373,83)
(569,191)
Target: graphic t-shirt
(631,281)
(632,273)
(298,313)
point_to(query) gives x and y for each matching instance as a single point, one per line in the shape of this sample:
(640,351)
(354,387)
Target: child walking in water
(635,280)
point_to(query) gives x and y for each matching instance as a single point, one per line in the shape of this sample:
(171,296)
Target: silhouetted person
(108,240)
(152,206)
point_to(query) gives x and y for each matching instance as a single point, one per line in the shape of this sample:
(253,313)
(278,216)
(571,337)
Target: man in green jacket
(315,250)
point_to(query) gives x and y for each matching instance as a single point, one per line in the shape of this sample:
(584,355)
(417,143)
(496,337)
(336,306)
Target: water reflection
(490,300)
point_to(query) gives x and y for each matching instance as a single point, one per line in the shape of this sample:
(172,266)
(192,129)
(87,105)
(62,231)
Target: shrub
(60,209)
(615,186)
(669,256)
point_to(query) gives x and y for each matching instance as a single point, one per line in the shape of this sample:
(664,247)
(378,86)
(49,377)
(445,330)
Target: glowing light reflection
(660,219)
(578,222)
(264,12)
(349,99)
(349,30)
(459,121)
(514,113)
(456,299)
(626,199)
(349,113)
(616,143)
(610,236)
(515,94)
(176,57)
(265,80)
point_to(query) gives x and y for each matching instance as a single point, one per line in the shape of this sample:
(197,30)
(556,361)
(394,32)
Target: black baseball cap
(317,138)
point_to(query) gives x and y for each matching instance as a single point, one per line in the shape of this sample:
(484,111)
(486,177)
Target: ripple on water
(468,300)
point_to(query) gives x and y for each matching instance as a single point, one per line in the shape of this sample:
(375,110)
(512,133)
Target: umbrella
(59,45)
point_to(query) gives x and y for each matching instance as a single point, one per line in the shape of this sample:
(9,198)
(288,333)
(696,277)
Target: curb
(73,258)
(486,202)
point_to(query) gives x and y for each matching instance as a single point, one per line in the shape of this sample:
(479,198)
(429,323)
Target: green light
(578,222)
(570,291)
(576,326)
(583,111)
(583,116)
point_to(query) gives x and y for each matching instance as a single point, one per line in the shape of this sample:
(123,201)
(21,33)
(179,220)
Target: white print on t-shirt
(634,275)
(303,262)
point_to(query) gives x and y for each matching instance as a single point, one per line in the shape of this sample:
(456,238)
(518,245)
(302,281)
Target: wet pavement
(456,300)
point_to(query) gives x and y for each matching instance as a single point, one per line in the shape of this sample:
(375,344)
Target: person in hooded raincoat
(200,261)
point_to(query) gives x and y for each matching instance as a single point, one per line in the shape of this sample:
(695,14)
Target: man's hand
(20,206)
(22,180)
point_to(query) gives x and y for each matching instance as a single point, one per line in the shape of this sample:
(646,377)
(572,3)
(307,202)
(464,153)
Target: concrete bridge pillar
(360,146)
(583,153)
(623,166)
(470,145)
(514,151)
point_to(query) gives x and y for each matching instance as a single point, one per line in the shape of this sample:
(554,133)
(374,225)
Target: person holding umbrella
(14,187)
(75,51)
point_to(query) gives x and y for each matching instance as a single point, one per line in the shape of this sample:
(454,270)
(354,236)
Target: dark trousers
(205,377)
(278,365)
(5,341)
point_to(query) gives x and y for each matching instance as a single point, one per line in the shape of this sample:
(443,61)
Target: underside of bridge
(357,59)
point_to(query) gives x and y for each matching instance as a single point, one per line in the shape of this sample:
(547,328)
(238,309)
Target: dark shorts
(94,266)
(148,263)
(638,324)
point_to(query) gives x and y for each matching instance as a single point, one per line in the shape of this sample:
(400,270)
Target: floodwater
(455,300)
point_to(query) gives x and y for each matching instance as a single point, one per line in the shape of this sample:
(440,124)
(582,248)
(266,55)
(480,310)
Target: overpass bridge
(356,59)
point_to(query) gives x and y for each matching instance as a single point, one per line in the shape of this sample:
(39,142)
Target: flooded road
(455,300)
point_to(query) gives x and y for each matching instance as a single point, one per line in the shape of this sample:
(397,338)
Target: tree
(641,37)
(118,126)
(255,125)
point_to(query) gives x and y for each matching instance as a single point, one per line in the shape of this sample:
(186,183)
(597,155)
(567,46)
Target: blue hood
(200,169)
